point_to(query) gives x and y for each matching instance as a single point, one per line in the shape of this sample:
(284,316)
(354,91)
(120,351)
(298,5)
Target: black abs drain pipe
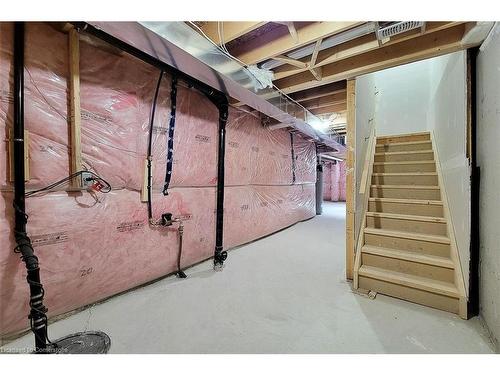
(218,98)
(85,342)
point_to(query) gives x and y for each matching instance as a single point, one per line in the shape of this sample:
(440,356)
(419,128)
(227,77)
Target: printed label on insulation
(49,238)
(202,138)
(233,144)
(128,226)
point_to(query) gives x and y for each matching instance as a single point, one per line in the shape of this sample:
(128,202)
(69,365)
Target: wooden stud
(74,106)
(145,182)
(350,182)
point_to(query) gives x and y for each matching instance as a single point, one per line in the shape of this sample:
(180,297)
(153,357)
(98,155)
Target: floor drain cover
(90,342)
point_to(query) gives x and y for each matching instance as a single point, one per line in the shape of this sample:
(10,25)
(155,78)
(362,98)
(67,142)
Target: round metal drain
(90,342)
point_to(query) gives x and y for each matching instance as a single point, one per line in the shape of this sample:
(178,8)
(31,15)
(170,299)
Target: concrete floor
(283,294)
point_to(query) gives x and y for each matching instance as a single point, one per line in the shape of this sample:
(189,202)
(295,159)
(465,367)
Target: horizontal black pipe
(38,319)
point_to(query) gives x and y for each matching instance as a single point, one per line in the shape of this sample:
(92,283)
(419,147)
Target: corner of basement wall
(447,120)
(488,159)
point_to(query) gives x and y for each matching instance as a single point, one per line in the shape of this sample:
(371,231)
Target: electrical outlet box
(87,179)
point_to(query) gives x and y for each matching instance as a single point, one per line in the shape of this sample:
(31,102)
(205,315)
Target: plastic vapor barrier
(94,245)
(334,181)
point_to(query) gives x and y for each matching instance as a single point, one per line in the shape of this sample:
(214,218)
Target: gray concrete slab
(282,294)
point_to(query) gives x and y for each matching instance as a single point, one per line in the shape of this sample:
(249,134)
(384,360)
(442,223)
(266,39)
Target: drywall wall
(428,95)
(401,98)
(447,114)
(488,159)
(92,245)
(366,93)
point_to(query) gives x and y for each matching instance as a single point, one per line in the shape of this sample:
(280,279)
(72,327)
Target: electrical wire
(245,66)
(93,177)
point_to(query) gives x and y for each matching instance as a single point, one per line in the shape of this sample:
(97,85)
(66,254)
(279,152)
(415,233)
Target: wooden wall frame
(350,178)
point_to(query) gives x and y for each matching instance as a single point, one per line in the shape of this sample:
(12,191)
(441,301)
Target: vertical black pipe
(150,146)
(38,319)
(473,303)
(220,255)
(319,187)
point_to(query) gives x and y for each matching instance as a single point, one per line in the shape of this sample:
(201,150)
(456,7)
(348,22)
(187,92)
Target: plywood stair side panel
(406,250)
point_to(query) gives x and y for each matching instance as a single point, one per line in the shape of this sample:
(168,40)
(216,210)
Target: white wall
(488,158)
(422,96)
(447,118)
(402,98)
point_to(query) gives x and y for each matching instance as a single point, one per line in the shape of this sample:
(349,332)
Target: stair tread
(404,152)
(431,187)
(404,174)
(432,219)
(410,235)
(417,282)
(407,201)
(412,162)
(402,135)
(409,256)
(402,143)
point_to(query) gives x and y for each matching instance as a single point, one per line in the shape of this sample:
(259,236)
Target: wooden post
(350,177)
(74,105)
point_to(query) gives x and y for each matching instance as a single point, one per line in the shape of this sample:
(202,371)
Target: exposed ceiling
(312,60)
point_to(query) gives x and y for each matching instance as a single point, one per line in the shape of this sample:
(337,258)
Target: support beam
(257,52)
(350,178)
(358,46)
(319,92)
(229,30)
(324,101)
(329,109)
(429,45)
(74,106)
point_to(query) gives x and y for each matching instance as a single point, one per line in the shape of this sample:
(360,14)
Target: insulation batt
(334,181)
(92,246)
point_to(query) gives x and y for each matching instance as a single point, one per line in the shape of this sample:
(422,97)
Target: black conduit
(37,317)
(220,255)
(293,159)
(150,146)
(218,98)
(170,141)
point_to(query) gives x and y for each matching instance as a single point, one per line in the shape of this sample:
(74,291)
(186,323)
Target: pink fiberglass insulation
(327,182)
(342,186)
(335,176)
(91,247)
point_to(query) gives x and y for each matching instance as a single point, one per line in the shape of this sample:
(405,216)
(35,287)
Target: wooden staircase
(406,246)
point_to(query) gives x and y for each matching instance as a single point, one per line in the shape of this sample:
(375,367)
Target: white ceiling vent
(398,28)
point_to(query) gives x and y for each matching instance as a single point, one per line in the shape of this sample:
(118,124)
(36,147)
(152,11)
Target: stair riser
(383,192)
(404,168)
(408,267)
(406,208)
(417,246)
(431,180)
(404,147)
(405,157)
(410,294)
(411,226)
(404,138)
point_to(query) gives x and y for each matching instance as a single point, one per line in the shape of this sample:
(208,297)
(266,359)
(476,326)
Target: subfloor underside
(285,293)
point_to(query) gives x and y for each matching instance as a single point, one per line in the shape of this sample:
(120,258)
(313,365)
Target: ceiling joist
(258,52)
(429,45)
(228,30)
